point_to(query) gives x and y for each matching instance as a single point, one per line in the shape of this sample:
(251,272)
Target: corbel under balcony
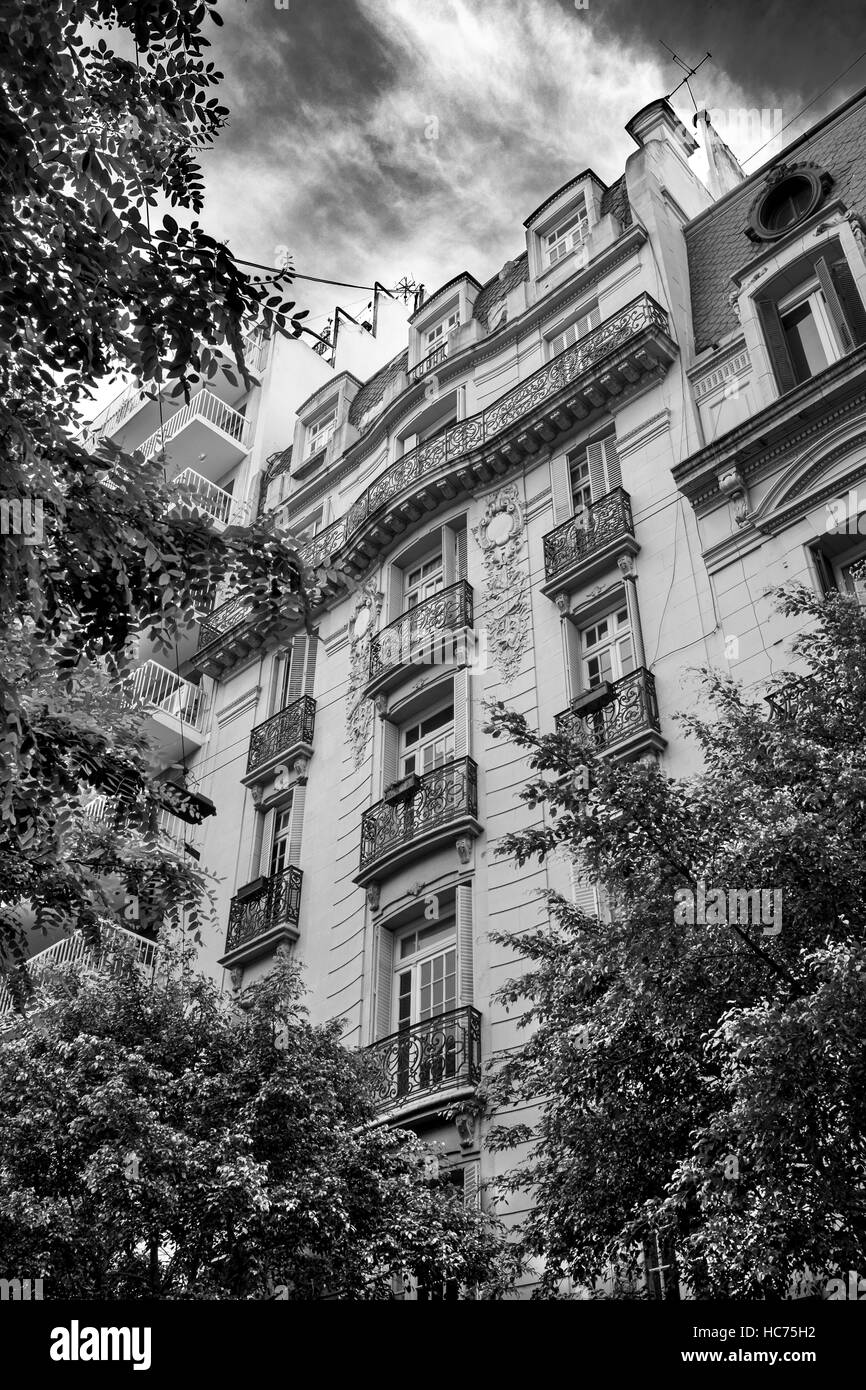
(284,741)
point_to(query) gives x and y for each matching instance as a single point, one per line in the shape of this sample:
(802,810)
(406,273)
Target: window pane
(804,344)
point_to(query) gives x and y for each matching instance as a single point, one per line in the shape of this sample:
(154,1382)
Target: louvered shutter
(465,942)
(396,600)
(296,671)
(460,553)
(384,986)
(611,462)
(266,842)
(595,457)
(834,306)
(297,825)
(462,715)
(390,752)
(849,295)
(560,485)
(583,892)
(472,1186)
(774,336)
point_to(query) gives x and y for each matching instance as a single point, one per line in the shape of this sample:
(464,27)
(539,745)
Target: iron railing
(413,636)
(203,406)
(429,362)
(642,314)
(205,495)
(440,1054)
(222,620)
(290,726)
(791,701)
(438,797)
(109,954)
(160,688)
(594,528)
(630,707)
(275,902)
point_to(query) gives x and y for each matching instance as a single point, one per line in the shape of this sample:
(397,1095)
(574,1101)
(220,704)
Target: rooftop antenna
(689,72)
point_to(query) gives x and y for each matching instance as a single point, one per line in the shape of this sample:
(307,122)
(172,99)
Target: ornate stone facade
(500,534)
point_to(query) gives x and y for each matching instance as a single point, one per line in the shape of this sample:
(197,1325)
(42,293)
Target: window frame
(612,642)
(556,237)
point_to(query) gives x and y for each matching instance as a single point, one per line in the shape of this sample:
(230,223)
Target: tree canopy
(159,1141)
(702,1085)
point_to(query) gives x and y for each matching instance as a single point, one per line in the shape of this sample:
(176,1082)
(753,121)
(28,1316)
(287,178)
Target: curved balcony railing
(291,726)
(203,406)
(272,903)
(435,799)
(586,355)
(222,620)
(581,536)
(412,636)
(621,709)
(427,364)
(440,1054)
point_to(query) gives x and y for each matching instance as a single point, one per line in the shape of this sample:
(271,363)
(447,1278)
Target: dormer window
(319,433)
(568,236)
(435,336)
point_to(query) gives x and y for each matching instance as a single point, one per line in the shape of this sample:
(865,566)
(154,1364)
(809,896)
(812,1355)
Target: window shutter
(384,983)
(297,825)
(837,313)
(472,1186)
(390,752)
(774,337)
(465,943)
(462,715)
(296,672)
(849,296)
(460,553)
(266,842)
(560,484)
(595,457)
(583,892)
(611,462)
(396,600)
(310,667)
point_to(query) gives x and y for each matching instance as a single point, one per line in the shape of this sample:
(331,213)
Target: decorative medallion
(789,194)
(500,534)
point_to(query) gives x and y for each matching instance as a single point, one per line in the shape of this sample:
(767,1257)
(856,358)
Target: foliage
(156,1142)
(704,1082)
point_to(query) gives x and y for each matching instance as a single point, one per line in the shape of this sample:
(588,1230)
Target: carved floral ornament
(359,712)
(733,485)
(500,535)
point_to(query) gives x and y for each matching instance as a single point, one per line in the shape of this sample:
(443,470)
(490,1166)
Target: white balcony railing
(76,948)
(211,499)
(155,685)
(203,406)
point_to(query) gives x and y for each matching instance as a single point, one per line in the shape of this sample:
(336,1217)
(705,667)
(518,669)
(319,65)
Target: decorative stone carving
(237,977)
(500,534)
(858,227)
(374,894)
(732,484)
(463,845)
(301,767)
(257,793)
(359,712)
(465,1123)
(381,703)
(562,604)
(625,565)
(734,302)
(416,889)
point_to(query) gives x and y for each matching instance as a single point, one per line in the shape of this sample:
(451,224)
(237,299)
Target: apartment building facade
(567,487)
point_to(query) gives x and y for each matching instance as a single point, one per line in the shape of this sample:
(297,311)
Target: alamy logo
(736,907)
(844,515)
(20,1290)
(463,648)
(76,1343)
(22,517)
(855,1291)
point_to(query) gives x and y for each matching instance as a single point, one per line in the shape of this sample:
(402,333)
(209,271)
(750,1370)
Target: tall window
(810,327)
(429,743)
(568,235)
(594,471)
(808,330)
(606,649)
(581,485)
(425,988)
(423,581)
(583,324)
(319,432)
(281,839)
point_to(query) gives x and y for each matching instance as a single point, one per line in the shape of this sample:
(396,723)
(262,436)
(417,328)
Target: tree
(158,1142)
(701,1087)
(95,283)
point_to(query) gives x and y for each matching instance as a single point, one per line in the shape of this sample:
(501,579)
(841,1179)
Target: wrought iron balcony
(413,638)
(289,730)
(626,354)
(262,913)
(586,543)
(420,370)
(243,625)
(440,1054)
(623,716)
(419,810)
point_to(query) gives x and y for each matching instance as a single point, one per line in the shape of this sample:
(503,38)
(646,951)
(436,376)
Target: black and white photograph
(433,680)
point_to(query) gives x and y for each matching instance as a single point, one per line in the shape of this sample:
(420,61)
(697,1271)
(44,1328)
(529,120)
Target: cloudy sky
(380,138)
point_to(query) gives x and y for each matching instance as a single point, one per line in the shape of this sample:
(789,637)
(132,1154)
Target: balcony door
(428,743)
(281,841)
(423,581)
(606,648)
(425,989)
(850,582)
